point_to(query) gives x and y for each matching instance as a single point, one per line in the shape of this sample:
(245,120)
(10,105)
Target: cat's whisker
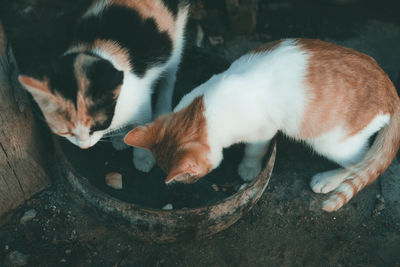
(121,131)
(105,141)
(113,135)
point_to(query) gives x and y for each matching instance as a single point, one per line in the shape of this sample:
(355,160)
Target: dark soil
(286,227)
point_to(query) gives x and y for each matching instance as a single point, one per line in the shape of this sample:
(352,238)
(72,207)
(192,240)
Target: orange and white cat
(327,96)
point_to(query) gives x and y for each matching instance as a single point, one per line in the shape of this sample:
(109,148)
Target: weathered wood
(22,152)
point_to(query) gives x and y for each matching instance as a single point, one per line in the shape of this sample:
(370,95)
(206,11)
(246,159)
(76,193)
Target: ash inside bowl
(149,189)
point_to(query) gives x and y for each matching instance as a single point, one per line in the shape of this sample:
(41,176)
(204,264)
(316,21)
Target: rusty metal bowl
(157,225)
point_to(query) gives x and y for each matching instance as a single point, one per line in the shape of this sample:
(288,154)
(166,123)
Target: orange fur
(365,91)
(119,55)
(178,142)
(338,71)
(60,113)
(345,89)
(83,102)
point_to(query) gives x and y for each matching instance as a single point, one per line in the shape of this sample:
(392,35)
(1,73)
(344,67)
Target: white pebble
(168,207)
(215,187)
(114,180)
(28,216)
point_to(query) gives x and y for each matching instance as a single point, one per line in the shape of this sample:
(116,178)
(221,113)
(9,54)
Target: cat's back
(343,70)
(142,32)
(319,83)
(344,85)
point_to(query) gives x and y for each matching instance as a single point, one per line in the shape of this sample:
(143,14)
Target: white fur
(164,100)
(134,101)
(337,146)
(96,8)
(257,96)
(344,150)
(328,181)
(266,92)
(250,166)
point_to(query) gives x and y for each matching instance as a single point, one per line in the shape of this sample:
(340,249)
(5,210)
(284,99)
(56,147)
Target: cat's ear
(139,137)
(34,86)
(186,171)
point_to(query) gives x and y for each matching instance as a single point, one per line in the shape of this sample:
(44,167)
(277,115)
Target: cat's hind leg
(360,167)
(345,150)
(250,166)
(325,182)
(342,151)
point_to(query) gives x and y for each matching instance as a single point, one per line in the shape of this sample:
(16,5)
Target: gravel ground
(285,228)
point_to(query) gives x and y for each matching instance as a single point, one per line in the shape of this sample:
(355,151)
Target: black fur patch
(104,80)
(141,37)
(173,5)
(62,78)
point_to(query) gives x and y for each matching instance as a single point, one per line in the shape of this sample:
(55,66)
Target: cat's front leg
(143,159)
(118,142)
(165,91)
(250,166)
(328,181)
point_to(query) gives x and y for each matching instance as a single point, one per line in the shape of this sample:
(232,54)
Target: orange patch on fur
(83,102)
(342,196)
(178,142)
(48,102)
(32,84)
(353,186)
(346,88)
(119,55)
(154,9)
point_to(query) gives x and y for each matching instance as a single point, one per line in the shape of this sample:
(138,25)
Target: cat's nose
(84,144)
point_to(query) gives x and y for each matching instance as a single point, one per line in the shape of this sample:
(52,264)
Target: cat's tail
(375,162)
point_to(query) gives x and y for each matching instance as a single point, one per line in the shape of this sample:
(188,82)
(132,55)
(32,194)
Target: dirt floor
(286,227)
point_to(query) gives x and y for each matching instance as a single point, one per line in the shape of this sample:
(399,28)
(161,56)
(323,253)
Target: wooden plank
(22,151)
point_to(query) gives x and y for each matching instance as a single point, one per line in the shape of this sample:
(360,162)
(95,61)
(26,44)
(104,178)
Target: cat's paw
(248,170)
(328,181)
(118,143)
(342,194)
(143,159)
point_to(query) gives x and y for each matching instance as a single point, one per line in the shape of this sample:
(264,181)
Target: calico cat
(105,80)
(327,96)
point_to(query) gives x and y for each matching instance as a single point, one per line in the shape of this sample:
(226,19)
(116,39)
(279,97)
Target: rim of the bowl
(99,194)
